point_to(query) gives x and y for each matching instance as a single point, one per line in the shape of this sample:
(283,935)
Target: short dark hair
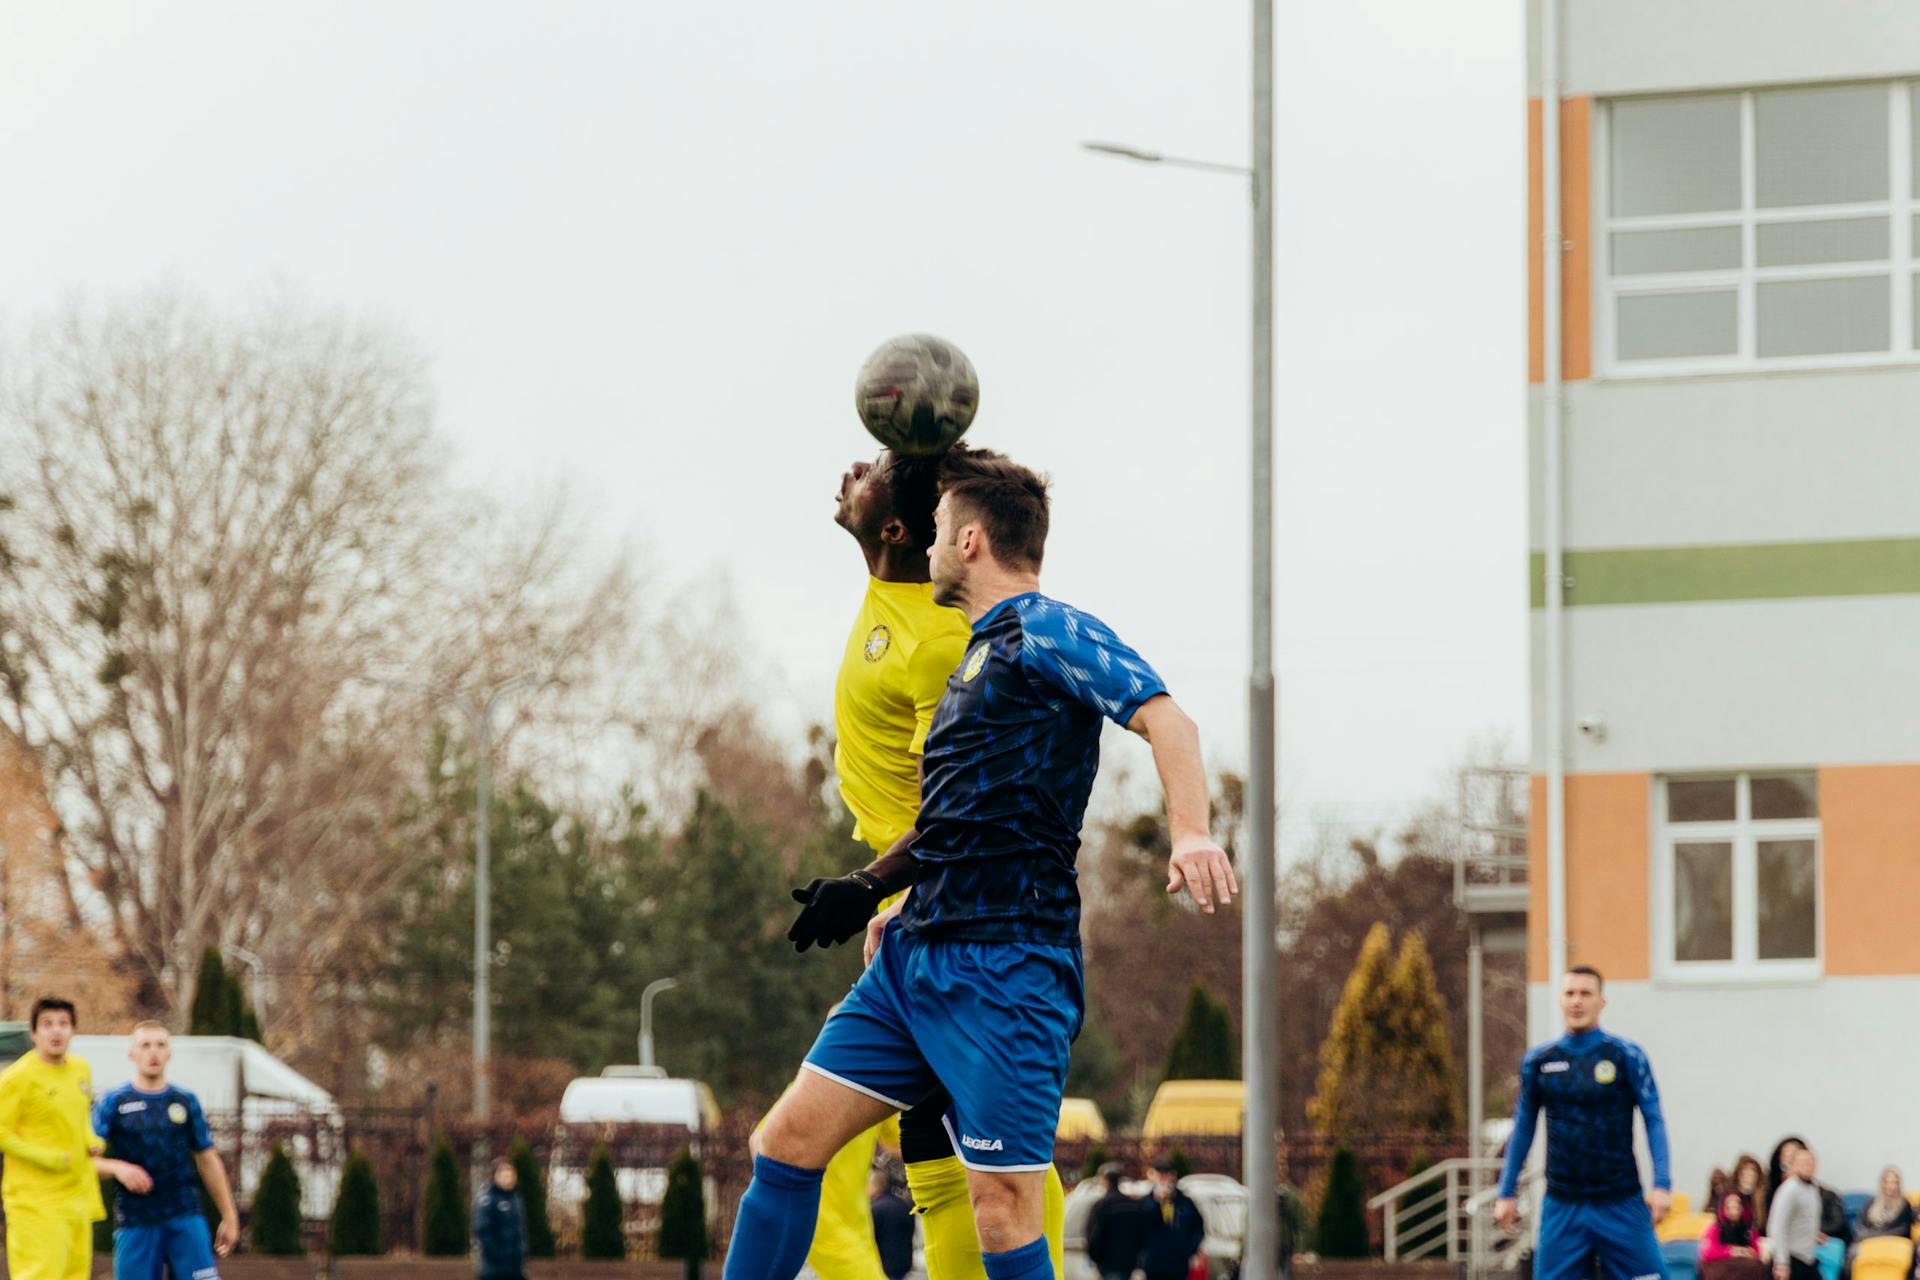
(1599,979)
(52,1004)
(1009,499)
(915,483)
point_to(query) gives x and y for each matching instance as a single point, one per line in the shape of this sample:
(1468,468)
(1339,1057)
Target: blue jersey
(1589,1083)
(1010,761)
(160,1132)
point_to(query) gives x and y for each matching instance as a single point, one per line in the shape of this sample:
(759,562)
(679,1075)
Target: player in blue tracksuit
(161,1128)
(976,982)
(1589,1084)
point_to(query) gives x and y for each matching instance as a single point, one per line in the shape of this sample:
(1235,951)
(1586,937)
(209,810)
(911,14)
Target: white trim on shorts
(877,1096)
(959,1146)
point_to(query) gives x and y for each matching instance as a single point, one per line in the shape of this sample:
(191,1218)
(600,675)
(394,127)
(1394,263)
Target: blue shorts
(183,1246)
(1617,1234)
(994,1022)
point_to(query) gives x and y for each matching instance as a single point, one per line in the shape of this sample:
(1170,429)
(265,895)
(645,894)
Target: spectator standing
(1793,1223)
(892,1224)
(1116,1229)
(1174,1228)
(500,1227)
(1730,1247)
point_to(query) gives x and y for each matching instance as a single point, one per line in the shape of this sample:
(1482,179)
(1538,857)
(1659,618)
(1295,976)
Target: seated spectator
(1730,1248)
(1750,1180)
(1887,1214)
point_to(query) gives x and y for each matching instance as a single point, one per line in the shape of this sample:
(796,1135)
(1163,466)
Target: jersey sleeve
(1647,1095)
(13,1092)
(199,1138)
(1080,656)
(932,661)
(1526,1117)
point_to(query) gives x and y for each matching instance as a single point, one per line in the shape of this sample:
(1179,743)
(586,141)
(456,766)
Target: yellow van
(1080,1119)
(1196,1107)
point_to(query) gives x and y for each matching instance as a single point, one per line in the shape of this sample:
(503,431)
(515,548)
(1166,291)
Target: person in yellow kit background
(50,1181)
(899,654)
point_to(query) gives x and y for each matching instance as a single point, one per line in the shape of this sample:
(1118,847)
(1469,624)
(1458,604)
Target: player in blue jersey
(161,1129)
(976,983)
(1589,1084)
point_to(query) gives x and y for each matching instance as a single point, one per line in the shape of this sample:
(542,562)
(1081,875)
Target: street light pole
(1259,988)
(479,714)
(653,989)
(1259,985)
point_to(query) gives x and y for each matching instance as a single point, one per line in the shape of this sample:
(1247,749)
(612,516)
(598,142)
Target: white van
(626,1096)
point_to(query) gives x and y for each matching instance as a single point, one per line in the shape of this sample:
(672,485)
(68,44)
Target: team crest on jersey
(177,1113)
(976,661)
(879,640)
(1606,1073)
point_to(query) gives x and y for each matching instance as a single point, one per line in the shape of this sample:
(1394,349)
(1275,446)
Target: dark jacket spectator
(1174,1230)
(1887,1214)
(1116,1231)
(500,1228)
(892,1226)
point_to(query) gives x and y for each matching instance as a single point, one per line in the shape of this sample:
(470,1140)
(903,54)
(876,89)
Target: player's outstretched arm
(837,910)
(213,1176)
(1197,864)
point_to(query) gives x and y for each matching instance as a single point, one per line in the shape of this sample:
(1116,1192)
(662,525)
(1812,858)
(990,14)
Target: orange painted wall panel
(1870,856)
(1608,875)
(1576,217)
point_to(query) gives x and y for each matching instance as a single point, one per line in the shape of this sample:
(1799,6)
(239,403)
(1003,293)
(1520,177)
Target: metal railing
(1424,1215)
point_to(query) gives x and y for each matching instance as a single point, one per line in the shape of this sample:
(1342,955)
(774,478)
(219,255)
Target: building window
(1775,228)
(1739,877)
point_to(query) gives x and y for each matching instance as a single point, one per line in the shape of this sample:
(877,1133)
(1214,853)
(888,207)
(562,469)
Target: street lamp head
(1124,152)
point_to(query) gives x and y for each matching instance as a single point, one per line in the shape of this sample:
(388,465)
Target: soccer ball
(917,394)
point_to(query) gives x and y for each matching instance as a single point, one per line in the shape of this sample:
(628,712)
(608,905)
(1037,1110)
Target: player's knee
(1002,1214)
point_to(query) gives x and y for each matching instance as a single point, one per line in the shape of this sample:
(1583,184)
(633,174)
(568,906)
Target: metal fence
(399,1144)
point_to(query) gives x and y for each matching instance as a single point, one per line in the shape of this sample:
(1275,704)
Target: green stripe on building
(1748,571)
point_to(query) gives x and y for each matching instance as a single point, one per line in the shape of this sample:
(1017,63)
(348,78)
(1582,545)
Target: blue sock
(773,1227)
(1028,1262)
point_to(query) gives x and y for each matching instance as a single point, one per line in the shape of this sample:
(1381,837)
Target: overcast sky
(646,246)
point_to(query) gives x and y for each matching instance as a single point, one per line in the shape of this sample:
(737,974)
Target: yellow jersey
(47,1136)
(900,652)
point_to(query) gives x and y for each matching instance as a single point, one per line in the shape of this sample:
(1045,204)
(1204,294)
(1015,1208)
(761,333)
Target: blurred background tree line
(232,550)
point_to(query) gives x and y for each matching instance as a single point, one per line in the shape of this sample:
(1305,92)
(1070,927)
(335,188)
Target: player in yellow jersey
(50,1183)
(899,654)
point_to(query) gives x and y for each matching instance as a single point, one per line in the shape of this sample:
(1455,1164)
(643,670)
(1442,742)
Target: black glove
(835,910)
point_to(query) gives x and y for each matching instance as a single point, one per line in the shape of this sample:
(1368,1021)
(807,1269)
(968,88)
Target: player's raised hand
(834,910)
(1201,867)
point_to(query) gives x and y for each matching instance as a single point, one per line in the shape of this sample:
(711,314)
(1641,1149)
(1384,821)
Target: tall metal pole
(1259,1018)
(482,901)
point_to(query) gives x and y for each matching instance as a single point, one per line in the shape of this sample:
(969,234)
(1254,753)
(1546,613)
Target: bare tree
(214,525)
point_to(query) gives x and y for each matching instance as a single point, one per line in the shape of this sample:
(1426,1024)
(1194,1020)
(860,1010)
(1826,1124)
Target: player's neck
(896,564)
(987,589)
(51,1059)
(150,1084)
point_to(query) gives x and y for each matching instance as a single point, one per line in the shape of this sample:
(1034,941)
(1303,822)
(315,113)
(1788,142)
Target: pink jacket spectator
(1711,1250)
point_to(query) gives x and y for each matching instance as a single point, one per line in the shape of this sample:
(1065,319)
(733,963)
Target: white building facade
(1739,511)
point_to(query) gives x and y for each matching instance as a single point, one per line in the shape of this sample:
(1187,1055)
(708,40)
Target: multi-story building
(1726,468)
